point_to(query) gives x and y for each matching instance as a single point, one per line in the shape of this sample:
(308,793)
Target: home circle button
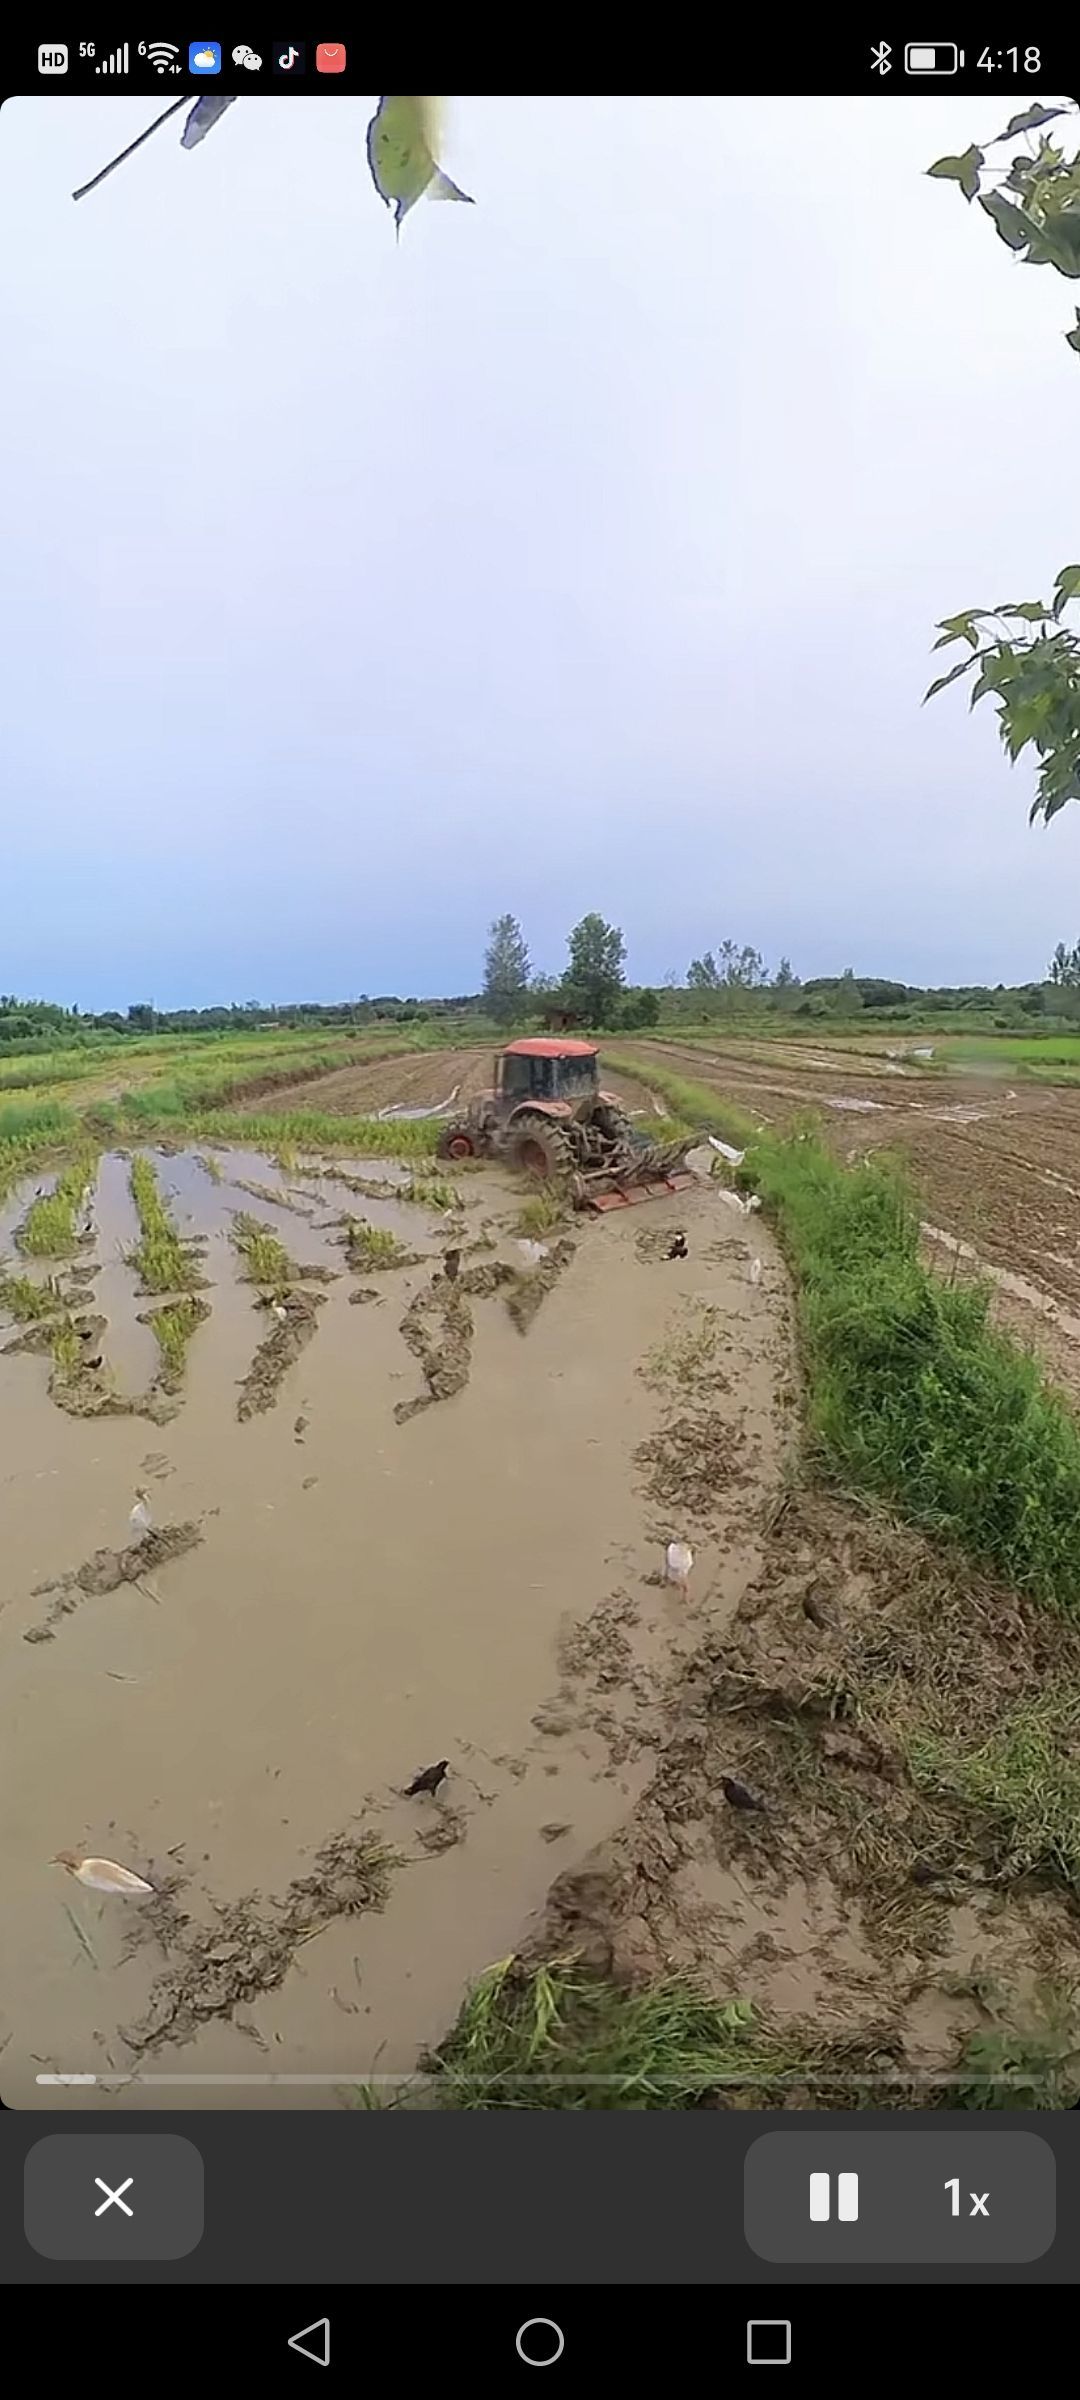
(540,2341)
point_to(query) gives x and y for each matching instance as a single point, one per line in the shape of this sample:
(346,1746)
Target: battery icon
(932,58)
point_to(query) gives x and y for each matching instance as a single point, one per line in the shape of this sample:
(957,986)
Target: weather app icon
(204,58)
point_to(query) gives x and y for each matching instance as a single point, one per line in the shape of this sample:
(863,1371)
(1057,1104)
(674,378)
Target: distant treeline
(45,1025)
(848,994)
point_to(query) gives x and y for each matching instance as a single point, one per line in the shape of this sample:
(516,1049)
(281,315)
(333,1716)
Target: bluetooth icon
(879,58)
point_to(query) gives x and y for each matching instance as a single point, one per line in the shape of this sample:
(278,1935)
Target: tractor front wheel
(540,1148)
(617,1128)
(457,1141)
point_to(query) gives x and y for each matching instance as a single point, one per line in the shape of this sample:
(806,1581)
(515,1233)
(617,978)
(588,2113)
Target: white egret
(534,1252)
(103,1875)
(141,1520)
(678,1560)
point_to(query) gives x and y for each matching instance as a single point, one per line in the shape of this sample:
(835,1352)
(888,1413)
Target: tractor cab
(547,1073)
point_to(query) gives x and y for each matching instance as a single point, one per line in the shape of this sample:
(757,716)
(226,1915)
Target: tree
(640,1008)
(880,991)
(741,970)
(736,972)
(785,978)
(845,996)
(1028,660)
(1064,968)
(594,976)
(506,971)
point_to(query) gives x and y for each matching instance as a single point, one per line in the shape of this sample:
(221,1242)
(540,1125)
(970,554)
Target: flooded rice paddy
(396,1515)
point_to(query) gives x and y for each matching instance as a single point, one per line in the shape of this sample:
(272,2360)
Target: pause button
(847,2199)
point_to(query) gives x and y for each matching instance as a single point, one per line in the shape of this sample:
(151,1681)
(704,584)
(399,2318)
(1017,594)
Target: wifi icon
(164,57)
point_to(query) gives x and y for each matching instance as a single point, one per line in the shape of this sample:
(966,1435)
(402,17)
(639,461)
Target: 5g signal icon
(164,57)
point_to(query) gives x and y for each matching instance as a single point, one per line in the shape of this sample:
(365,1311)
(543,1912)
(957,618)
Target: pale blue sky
(581,551)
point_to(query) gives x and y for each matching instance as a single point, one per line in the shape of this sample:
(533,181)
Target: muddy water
(367,1597)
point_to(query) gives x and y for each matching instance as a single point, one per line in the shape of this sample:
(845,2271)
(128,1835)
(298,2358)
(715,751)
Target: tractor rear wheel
(541,1149)
(457,1140)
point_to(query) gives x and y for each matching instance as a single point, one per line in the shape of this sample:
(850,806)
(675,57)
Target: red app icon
(329,58)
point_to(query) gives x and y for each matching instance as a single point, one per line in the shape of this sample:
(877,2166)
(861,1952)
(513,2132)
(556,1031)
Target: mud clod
(250,1947)
(443,1348)
(692,1464)
(370,1250)
(107,1570)
(280,1350)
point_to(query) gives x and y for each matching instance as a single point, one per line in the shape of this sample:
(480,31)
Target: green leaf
(1032,611)
(943,680)
(1014,227)
(960,629)
(964,171)
(1067,584)
(1060,242)
(998,669)
(1073,338)
(1047,803)
(1027,121)
(1025,721)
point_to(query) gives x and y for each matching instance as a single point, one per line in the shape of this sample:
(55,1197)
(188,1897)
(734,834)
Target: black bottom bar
(613,2336)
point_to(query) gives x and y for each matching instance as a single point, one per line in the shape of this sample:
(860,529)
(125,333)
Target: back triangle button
(313,2341)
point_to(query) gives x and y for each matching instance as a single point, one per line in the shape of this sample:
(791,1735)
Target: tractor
(547,1114)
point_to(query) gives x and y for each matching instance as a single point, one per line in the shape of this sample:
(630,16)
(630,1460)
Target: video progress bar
(944,2079)
(347,2075)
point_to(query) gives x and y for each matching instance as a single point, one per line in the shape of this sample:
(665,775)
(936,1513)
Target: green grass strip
(552,2038)
(309,1130)
(694,1105)
(49,1228)
(172,1328)
(165,1263)
(265,1257)
(913,1394)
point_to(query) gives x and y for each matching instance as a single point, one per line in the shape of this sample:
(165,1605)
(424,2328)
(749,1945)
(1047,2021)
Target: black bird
(451,1263)
(924,1871)
(678,1247)
(739,1795)
(428,1779)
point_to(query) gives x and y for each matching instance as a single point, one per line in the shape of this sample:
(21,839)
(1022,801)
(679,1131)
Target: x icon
(114,2198)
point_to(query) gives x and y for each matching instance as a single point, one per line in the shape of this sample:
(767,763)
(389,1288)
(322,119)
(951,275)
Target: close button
(113,2196)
